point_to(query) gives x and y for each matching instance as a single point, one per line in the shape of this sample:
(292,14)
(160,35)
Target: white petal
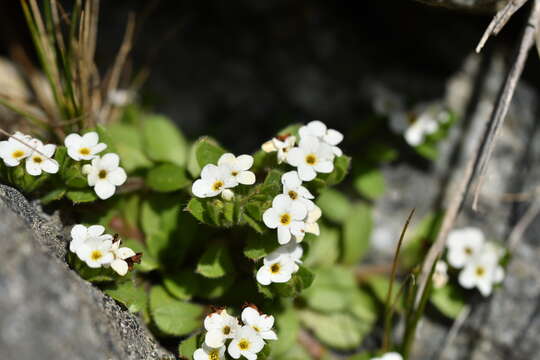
(281,203)
(95,230)
(317,128)
(233,349)
(98,148)
(246,178)
(333,137)
(298,210)
(50,166)
(90,139)
(110,161)
(271,218)
(264,275)
(307,173)
(244,162)
(337,151)
(284,235)
(120,266)
(249,355)
(200,354)
(295,156)
(456,257)
(266,322)
(72,141)
(324,167)
(32,168)
(283,276)
(227,159)
(250,316)
(269,146)
(78,232)
(210,172)
(414,136)
(269,335)
(485,286)
(291,180)
(125,252)
(312,228)
(117,177)
(467,279)
(214,338)
(104,189)
(200,188)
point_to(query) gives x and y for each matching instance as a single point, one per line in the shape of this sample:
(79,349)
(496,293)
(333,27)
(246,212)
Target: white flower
(220,326)
(276,270)
(208,353)
(214,179)
(389,356)
(482,272)
(292,187)
(96,252)
(281,146)
(105,174)
(121,97)
(463,245)
(238,168)
(41,160)
(80,234)
(311,157)
(84,147)
(227,194)
(246,343)
(16,148)
(261,323)
(311,221)
(440,275)
(286,216)
(119,264)
(292,251)
(423,126)
(319,130)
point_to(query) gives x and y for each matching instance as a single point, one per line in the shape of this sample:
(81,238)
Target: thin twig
(505,97)
(2,131)
(454,330)
(517,232)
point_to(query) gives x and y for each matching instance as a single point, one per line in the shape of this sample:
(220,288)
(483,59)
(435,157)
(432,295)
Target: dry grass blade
(517,232)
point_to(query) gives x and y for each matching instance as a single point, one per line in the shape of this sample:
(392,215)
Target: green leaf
(331,289)
(255,225)
(148,262)
(183,285)
(207,151)
(323,249)
(300,280)
(163,141)
(214,288)
(207,211)
(74,178)
(53,195)
(106,138)
(216,262)
(356,233)
(167,178)
(334,205)
(379,285)
(187,347)
(258,246)
(132,297)
(449,300)
(288,327)
(81,196)
(129,145)
(341,168)
(370,183)
(172,316)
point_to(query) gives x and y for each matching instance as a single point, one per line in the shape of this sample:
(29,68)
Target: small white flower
(208,353)
(214,179)
(311,157)
(261,323)
(389,356)
(309,224)
(84,147)
(292,251)
(423,126)
(80,234)
(15,149)
(463,245)
(41,160)
(96,252)
(281,146)
(105,174)
(286,216)
(238,168)
(482,272)
(121,97)
(227,194)
(220,326)
(119,264)
(246,343)
(319,130)
(292,187)
(276,270)
(440,275)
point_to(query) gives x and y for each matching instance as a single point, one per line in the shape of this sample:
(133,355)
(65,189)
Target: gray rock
(48,311)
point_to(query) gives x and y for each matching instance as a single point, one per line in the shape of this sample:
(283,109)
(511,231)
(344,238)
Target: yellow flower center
(96,255)
(217,185)
(275,268)
(214,354)
(102,174)
(243,344)
(480,271)
(84,151)
(226,330)
(468,251)
(234,173)
(293,195)
(256,328)
(285,219)
(37,159)
(311,159)
(17,154)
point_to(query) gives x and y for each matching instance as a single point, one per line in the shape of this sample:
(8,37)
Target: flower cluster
(246,340)
(229,172)
(478,259)
(37,156)
(97,249)
(293,212)
(104,173)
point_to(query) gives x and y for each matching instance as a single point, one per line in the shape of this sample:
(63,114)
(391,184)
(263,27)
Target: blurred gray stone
(47,310)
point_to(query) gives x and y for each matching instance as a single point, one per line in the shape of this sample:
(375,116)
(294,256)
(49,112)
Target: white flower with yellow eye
(319,130)
(482,272)
(40,160)
(238,168)
(96,252)
(312,156)
(285,215)
(86,147)
(276,270)
(16,149)
(463,245)
(208,353)
(292,187)
(214,180)
(282,146)
(261,323)
(121,254)
(246,343)
(220,326)
(81,234)
(104,175)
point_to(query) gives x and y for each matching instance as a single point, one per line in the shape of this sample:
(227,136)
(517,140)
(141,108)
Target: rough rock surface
(47,310)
